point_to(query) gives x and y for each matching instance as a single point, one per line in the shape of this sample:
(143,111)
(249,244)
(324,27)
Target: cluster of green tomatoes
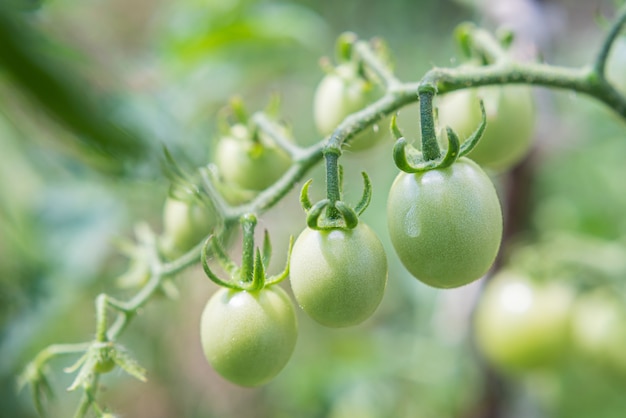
(445,223)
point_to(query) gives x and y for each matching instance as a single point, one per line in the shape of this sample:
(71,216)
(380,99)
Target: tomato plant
(521,325)
(510,122)
(340,93)
(338,276)
(443,213)
(248,336)
(445,224)
(249,160)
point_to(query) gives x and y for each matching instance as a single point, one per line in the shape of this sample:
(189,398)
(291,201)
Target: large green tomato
(338,276)
(521,325)
(445,224)
(185,224)
(510,122)
(247,164)
(338,95)
(248,337)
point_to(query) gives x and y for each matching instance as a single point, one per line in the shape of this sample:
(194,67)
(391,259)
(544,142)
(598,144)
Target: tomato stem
(430,147)
(333,186)
(599,67)
(248,222)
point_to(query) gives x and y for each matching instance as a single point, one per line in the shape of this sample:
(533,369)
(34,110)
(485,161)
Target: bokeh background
(78,171)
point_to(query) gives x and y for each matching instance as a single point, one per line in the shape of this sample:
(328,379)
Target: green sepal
(313,214)
(463,38)
(366,197)
(348,214)
(345,46)
(204,256)
(282,275)
(123,359)
(258,273)
(472,140)
(393,127)
(267,248)
(305,201)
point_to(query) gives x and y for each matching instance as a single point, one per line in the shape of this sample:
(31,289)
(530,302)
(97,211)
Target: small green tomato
(445,224)
(338,95)
(338,276)
(510,122)
(248,164)
(248,337)
(521,325)
(185,224)
(599,330)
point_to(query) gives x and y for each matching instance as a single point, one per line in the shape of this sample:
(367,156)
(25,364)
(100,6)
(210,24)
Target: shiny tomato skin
(248,337)
(338,276)
(445,224)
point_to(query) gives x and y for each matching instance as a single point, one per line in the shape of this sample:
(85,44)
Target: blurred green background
(91,91)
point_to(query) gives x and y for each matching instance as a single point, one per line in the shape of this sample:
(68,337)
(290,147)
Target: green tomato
(598,329)
(248,337)
(338,276)
(521,325)
(104,365)
(248,164)
(510,122)
(445,224)
(185,224)
(338,95)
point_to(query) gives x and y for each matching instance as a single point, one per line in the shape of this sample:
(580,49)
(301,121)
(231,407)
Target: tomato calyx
(251,275)
(410,160)
(329,214)
(101,357)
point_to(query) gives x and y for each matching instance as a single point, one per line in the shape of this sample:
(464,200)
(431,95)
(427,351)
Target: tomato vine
(500,68)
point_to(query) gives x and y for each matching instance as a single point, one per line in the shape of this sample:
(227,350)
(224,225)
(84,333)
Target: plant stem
(603,54)
(430,147)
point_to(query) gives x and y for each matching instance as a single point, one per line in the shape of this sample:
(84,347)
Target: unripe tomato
(445,224)
(248,164)
(248,337)
(521,325)
(338,276)
(104,365)
(510,122)
(185,224)
(338,95)
(599,330)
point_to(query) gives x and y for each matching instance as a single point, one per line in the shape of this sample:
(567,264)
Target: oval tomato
(521,325)
(338,95)
(510,122)
(445,224)
(338,276)
(248,164)
(248,337)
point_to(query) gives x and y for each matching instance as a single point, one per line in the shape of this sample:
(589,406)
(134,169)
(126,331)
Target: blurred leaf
(55,86)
